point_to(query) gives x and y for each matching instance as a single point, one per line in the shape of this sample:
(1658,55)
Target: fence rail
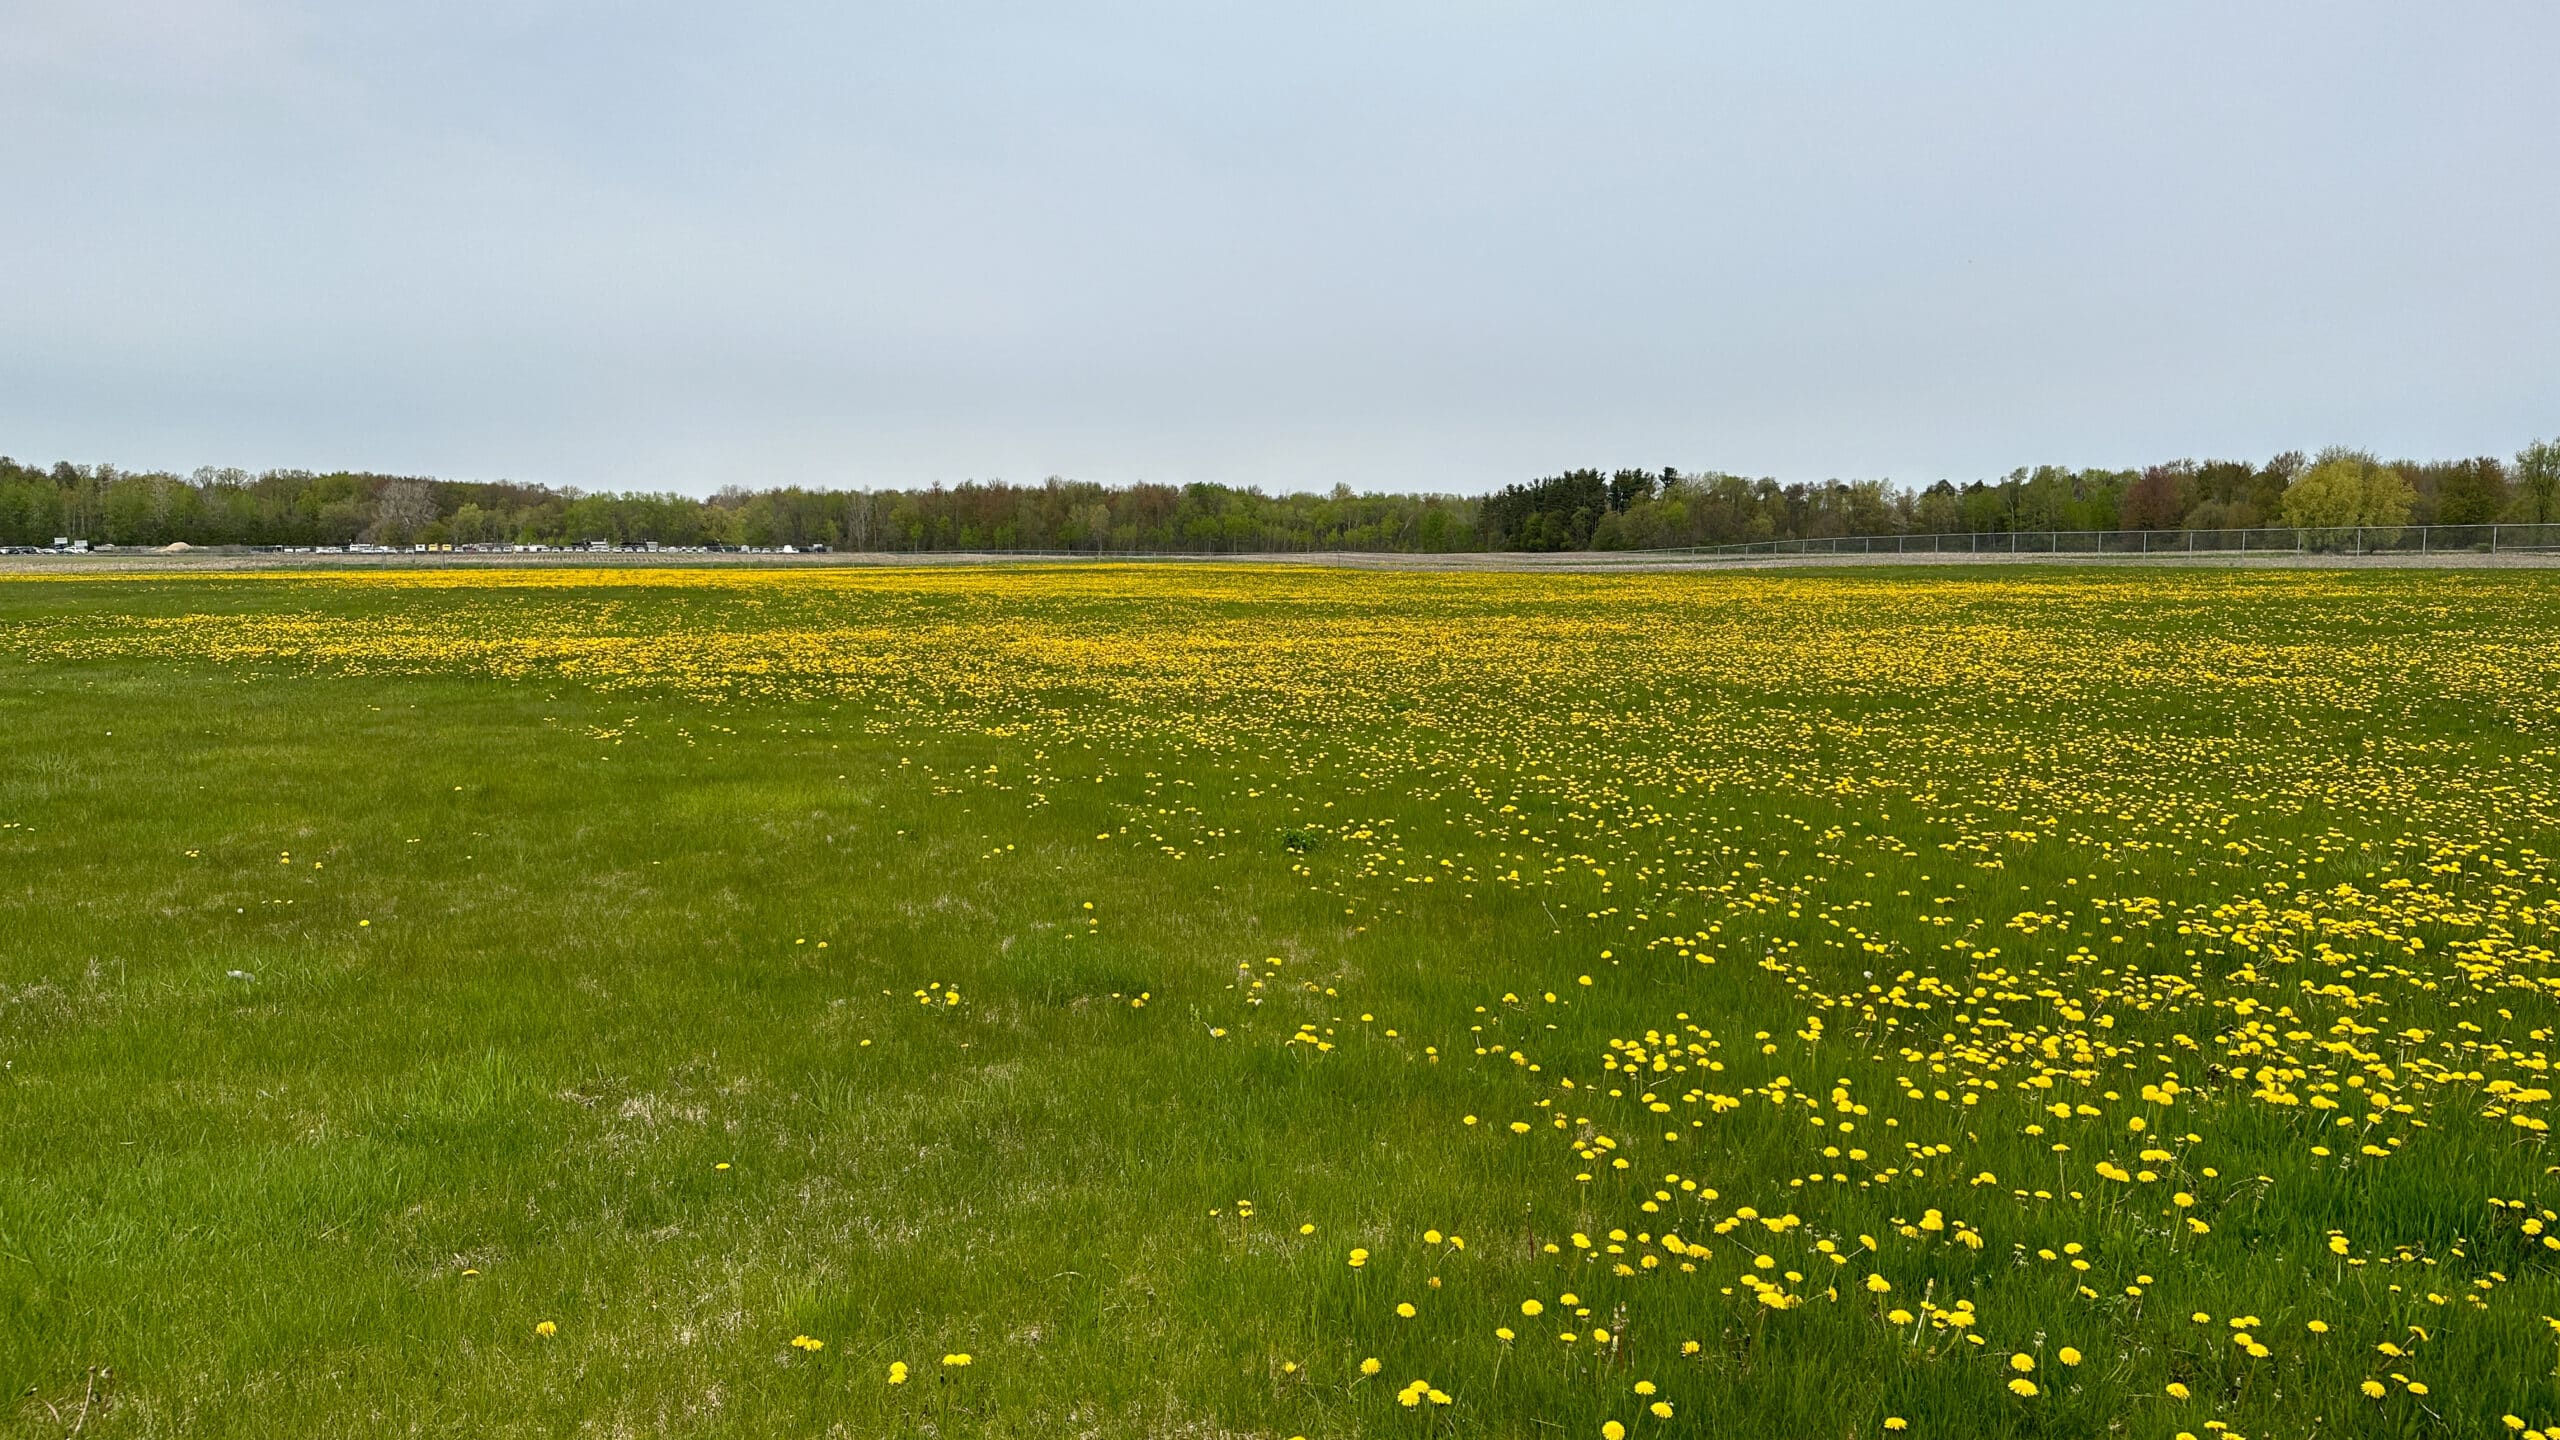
(2277,540)
(2289,540)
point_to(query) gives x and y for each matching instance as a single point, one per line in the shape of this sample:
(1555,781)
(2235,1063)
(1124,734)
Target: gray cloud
(1399,245)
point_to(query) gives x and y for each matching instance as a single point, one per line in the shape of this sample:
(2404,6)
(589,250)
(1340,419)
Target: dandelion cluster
(2058,998)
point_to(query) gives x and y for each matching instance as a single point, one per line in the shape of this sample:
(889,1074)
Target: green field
(2017,1003)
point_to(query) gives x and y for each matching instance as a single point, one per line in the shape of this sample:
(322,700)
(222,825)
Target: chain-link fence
(2412,540)
(2318,540)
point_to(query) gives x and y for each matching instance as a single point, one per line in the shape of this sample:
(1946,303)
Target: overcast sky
(1436,246)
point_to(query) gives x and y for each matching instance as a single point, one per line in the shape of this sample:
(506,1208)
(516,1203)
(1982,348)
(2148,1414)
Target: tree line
(1577,510)
(1641,509)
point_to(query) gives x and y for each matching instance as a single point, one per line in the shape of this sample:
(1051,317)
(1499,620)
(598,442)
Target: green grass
(548,897)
